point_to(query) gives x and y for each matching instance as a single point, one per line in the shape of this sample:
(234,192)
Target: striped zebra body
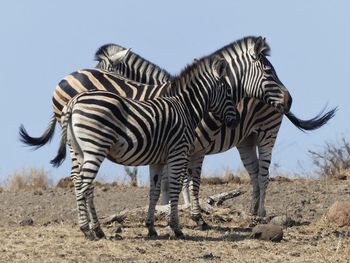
(102,124)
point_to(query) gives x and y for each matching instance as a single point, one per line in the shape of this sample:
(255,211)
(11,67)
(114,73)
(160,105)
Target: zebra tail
(312,124)
(38,142)
(61,153)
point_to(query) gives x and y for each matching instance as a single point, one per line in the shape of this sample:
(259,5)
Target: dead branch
(208,206)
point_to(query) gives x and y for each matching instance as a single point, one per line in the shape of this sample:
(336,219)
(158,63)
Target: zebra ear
(219,66)
(260,47)
(119,56)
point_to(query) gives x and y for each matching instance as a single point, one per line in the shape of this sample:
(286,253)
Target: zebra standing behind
(101,124)
(257,130)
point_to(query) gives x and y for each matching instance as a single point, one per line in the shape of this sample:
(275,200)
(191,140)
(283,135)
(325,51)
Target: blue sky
(42,41)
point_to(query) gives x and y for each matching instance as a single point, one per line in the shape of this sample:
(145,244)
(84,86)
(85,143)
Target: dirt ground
(55,237)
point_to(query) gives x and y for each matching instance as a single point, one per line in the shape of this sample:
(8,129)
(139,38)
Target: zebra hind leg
(247,152)
(84,194)
(94,223)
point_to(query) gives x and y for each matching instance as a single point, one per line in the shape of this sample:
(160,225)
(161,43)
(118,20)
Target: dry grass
(333,161)
(240,176)
(27,179)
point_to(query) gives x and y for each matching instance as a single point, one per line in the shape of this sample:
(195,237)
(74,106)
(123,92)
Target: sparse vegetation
(333,161)
(28,179)
(240,176)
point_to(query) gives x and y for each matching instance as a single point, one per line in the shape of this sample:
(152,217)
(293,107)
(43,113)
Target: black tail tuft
(61,155)
(38,142)
(312,124)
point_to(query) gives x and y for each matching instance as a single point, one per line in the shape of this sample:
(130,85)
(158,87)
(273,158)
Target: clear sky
(42,41)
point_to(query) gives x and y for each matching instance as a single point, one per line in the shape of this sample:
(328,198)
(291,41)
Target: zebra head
(258,77)
(110,56)
(221,102)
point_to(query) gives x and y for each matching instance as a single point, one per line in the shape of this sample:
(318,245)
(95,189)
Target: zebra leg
(164,187)
(177,168)
(194,171)
(94,223)
(83,217)
(248,154)
(265,151)
(84,193)
(155,182)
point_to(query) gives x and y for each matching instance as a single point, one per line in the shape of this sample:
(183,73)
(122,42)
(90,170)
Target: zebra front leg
(194,171)
(177,168)
(155,182)
(247,152)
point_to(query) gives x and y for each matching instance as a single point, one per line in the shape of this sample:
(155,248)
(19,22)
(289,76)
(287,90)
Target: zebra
(252,133)
(246,57)
(101,124)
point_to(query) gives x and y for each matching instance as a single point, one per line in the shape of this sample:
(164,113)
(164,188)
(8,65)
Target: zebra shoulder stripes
(101,124)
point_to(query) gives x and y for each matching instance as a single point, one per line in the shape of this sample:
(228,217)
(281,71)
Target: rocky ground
(41,226)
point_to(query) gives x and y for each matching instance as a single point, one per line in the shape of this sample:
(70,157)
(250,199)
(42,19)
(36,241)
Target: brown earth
(41,226)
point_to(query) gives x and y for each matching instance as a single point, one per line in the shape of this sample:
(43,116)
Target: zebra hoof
(262,212)
(99,233)
(202,226)
(152,232)
(179,234)
(90,235)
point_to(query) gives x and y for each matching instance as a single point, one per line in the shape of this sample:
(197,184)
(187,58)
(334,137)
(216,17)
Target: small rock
(38,192)
(284,221)
(267,232)
(104,189)
(339,213)
(208,256)
(26,222)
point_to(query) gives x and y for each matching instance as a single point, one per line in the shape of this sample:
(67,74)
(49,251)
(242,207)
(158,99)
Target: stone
(339,213)
(284,221)
(26,222)
(267,232)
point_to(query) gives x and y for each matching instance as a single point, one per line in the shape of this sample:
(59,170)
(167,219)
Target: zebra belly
(125,154)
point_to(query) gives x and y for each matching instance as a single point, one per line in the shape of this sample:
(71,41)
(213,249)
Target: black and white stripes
(101,124)
(249,73)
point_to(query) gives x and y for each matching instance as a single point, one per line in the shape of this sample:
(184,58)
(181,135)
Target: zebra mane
(244,42)
(108,50)
(188,70)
